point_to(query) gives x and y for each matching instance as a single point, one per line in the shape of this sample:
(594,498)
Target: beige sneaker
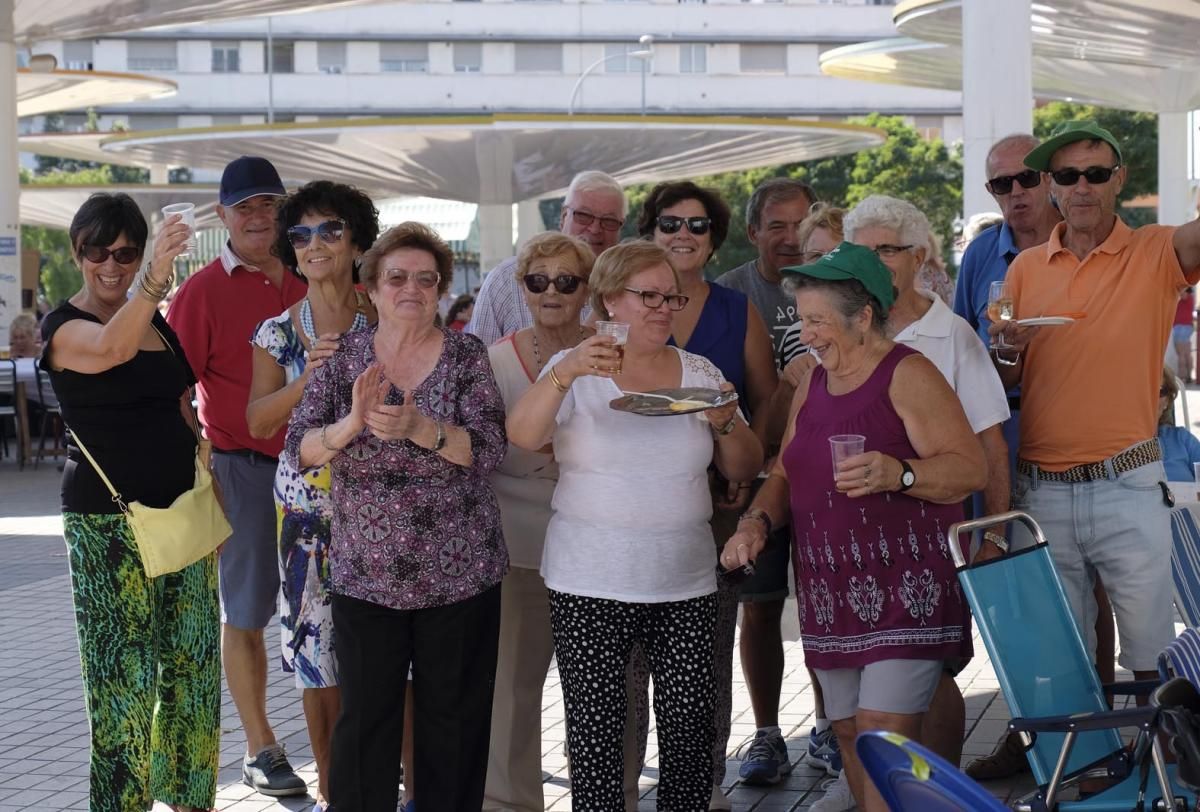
(719,801)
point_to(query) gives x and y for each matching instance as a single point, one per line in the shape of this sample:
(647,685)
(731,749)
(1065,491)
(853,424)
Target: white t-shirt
(524,482)
(955,349)
(632,505)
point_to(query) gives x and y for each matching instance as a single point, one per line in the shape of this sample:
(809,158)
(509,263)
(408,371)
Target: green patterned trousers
(151,657)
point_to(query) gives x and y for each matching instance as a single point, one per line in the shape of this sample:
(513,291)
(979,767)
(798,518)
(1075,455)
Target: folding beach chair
(1185,562)
(912,778)
(1051,686)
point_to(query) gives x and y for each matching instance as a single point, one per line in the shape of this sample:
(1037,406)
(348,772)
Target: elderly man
(215,313)
(1089,466)
(594,211)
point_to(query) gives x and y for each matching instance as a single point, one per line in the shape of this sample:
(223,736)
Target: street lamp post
(644,54)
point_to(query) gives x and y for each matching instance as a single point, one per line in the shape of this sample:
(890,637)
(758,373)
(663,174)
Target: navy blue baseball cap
(248,176)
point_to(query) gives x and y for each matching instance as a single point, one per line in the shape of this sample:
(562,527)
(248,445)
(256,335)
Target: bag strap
(191,404)
(116,497)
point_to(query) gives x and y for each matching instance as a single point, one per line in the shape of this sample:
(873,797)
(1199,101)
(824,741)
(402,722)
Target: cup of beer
(619,330)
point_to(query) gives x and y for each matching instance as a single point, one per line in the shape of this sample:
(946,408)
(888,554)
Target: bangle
(559,385)
(440,442)
(759,515)
(1007,362)
(995,538)
(150,289)
(325,442)
(727,428)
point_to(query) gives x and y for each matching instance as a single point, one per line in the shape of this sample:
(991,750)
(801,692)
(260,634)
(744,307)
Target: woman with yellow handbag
(149,642)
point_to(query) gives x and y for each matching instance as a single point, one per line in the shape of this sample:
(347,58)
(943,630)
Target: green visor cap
(850,261)
(1068,133)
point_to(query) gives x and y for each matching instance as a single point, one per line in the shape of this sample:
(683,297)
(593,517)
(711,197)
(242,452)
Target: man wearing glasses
(1089,466)
(594,211)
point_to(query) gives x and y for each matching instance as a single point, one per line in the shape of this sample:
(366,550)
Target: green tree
(59,277)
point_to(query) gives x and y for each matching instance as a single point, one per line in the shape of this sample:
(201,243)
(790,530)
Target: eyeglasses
(887,251)
(653,299)
(124,255)
(810,257)
(330,232)
(669,224)
(398,277)
(1002,184)
(540,283)
(1094,175)
(586,218)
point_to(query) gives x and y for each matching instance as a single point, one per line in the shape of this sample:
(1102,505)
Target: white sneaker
(838,797)
(719,802)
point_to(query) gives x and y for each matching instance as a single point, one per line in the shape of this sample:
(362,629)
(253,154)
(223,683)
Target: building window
(538,57)
(619,59)
(693,57)
(468,57)
(226,57)
(764,58)
(282,57)
(77,55)
(331,57)
(151,54)
(404,57)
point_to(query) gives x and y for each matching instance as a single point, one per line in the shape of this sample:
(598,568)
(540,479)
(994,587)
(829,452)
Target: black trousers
(453,654)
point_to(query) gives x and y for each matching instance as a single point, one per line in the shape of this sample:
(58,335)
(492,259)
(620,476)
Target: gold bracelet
(557,383)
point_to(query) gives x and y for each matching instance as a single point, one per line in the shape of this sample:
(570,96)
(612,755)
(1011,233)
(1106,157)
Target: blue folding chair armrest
(911,778)
(1132,687)
(1126,717)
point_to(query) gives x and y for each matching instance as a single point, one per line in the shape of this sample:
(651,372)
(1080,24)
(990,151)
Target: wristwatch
(995,538)
(907,477)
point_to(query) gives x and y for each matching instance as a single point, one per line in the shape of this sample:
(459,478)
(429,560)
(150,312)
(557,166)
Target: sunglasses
(1094,175)
(669,224)
(398,277)
(330,232)
(1003,184)
(586,219)
(653,299)
(98,253)
(540,283)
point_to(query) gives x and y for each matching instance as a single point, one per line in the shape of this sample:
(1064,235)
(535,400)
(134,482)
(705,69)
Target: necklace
(310,329)
(537,350)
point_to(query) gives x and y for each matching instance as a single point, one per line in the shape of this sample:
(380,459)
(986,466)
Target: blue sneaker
(766,760)
(824,751)
(411,806)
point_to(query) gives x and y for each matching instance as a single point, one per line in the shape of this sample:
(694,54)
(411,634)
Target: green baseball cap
(1068,133)
(851,261)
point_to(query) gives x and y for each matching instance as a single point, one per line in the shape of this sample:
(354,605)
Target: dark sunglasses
(653,299)
(669,224)
(586,219)
(330,231)
(399,277)
(540,283)
(98,253)
(1002,184)
(1094,175)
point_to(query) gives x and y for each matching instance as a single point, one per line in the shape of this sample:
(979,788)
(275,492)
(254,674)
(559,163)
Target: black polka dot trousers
(592,641)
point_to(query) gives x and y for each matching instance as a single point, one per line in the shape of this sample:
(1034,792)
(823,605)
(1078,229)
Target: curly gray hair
(880,211)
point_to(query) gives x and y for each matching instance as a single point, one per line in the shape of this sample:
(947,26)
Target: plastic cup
(619,330)
(188,211)
(843,446)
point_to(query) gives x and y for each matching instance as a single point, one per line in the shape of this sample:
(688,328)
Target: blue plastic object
(1185,563)
(912,778)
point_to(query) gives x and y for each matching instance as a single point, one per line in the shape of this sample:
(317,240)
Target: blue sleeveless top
(720,336)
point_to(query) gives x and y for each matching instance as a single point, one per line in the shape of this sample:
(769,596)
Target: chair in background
(9,409)
(51,421)
(1051,685)
(912,778)
(1185,562)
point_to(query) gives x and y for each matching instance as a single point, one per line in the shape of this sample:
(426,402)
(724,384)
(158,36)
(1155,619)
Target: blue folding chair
(912,778)
(1185,563)
(1050,684)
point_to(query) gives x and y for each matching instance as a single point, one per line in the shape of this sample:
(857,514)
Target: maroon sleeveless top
(874,577)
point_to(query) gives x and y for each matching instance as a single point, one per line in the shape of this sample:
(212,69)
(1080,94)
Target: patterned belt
(1135,457)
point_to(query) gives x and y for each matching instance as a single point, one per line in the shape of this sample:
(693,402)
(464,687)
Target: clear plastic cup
(842,446)
(619,330)
(188,211)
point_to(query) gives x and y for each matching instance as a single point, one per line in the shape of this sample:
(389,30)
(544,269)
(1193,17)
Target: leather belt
(1133,457)
(248,453)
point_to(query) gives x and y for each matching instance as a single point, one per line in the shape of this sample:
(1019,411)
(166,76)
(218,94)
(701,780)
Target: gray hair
(848,296)
(880,211)
(979,223)
(592,180)
(1015,139)
(775,189)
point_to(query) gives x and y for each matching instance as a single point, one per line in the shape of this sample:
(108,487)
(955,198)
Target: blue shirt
(985,261)
(720,336)
(1180,449)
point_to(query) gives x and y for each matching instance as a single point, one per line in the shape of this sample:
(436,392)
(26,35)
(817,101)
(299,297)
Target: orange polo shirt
(1090,389)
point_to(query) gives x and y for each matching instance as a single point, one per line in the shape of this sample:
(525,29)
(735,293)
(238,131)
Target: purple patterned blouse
(411,529)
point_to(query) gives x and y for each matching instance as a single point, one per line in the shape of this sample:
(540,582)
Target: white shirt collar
(937,322)
(230,260)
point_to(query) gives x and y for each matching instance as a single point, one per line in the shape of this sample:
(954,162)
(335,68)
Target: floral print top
(411,529)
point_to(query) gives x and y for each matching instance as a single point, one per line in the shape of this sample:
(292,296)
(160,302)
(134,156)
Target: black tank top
(129,418)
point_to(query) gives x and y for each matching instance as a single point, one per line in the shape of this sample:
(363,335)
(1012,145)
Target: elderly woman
(409,417)
(874,577)
(150,647)
(322,230)
(690,223)
(553,270)
(1180,447)
(629,552)
(23,338)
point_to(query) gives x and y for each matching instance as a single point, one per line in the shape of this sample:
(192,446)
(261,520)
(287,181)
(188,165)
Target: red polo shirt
(214,313)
